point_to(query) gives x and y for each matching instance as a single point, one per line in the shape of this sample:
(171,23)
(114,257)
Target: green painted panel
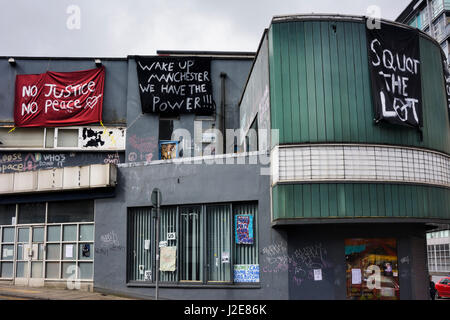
(320,88)
(301,201)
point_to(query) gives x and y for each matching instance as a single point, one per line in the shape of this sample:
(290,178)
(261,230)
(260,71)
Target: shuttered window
(202,243)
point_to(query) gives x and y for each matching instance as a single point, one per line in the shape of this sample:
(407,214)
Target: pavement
(10,292)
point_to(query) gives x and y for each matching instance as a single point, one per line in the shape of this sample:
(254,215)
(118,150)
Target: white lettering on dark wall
(395,81)
(175,85)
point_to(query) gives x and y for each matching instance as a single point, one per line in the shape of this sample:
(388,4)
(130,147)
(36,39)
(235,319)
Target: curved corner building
(353,196)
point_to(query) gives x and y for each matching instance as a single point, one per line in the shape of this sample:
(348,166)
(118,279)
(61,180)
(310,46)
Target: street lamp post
(156,201)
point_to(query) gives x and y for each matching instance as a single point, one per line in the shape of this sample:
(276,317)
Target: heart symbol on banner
(92,101)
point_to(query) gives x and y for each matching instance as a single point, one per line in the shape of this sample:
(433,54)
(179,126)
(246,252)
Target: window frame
(205,281)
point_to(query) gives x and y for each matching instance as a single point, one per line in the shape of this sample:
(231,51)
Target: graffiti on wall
(301,263)
(142,148)
(30,161)
(109,242)
(103,138)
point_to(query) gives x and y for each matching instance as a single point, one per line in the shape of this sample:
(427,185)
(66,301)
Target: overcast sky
(117,28)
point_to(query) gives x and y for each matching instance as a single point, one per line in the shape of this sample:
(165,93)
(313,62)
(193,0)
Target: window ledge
(194,286)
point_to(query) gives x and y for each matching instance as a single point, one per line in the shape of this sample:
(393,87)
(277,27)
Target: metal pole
(157,246)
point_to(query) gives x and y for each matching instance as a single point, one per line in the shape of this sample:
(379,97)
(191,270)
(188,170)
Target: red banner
(56,99)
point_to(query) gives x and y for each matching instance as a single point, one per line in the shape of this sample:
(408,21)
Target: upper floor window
(72,138)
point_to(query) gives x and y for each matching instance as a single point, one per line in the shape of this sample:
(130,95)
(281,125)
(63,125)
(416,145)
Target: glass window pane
(53,252)
(52,270)
(53,233)
(191,244)
(38,234)
(22,137)
(68,138)
(71,211)
(68,269)
(20,252)
(140,256)
(69,251)
(7,269)
(87,232)
(86,270)
(22,269)
(24,234)
(49,139)
(8,234)
(40,251)
(7,213)
(86,251)
(219,243)
(70,233)
(36,270)
(7,252)
(31,213)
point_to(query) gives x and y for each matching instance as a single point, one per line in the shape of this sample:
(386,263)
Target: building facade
(288,190)
(432,17)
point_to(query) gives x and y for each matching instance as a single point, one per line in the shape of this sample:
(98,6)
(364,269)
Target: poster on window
(175,85)
(394,65)
(168,150)
(168,257)
(57,99)
(244,229)
(246,273)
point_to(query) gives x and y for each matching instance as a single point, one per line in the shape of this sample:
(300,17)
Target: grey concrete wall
(115,91)
(182,184)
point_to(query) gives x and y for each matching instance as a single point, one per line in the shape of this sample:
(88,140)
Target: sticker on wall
(394,65)
(171,236)
(244,229)
(148,275)
(317,274)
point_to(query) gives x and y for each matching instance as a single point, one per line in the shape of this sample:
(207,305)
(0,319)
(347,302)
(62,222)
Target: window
(73,138)
(372,269)
(203,244)
(71,211)
(64,247)
(191,244)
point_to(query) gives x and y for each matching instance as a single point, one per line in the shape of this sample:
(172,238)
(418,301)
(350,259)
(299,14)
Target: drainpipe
(223,76)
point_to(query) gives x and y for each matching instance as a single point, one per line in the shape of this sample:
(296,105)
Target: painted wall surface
(364,200)
(183,184)
(323,247)
(115,91)
(320,88)
(143,129)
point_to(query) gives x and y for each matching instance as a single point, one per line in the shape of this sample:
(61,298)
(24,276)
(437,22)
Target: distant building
(430,16)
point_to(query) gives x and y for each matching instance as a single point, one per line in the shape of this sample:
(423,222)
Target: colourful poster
(244,229)
(246,273)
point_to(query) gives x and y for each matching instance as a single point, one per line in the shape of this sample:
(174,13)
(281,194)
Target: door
(30,255)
